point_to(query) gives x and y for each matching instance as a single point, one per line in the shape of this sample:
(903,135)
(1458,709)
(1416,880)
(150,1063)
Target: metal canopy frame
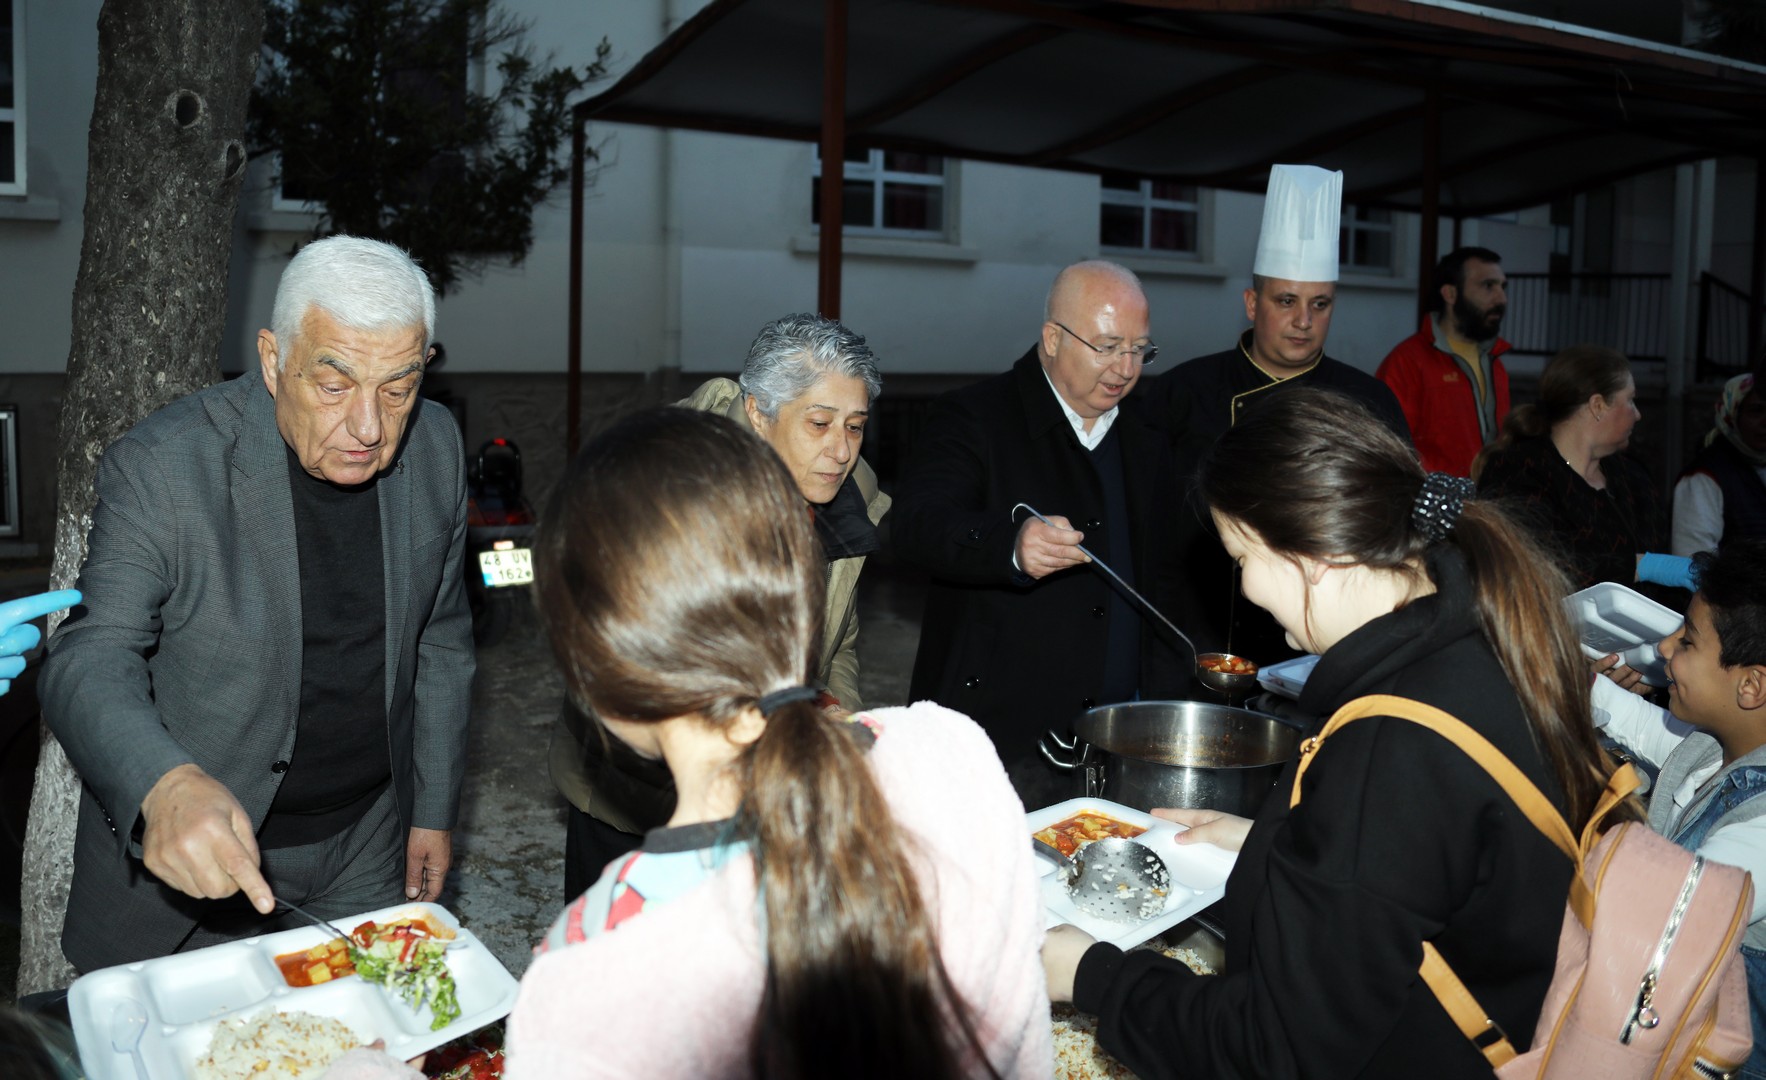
(1431,106)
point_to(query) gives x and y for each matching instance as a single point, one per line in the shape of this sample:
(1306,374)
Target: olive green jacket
(602,778)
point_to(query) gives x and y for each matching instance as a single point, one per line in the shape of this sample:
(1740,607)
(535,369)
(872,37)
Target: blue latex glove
(1672,570)
(17,633)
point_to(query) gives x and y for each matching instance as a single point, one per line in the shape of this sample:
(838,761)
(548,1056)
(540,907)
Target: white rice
(1077,1054)
(275,1046)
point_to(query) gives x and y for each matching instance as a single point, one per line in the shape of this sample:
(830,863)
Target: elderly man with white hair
(806,389)
(266,690)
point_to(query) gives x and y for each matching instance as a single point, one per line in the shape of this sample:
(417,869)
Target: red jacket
(1436,391)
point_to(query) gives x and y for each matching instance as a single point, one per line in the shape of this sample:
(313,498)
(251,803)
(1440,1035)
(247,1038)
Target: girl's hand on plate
(1225,831)
(1062,948)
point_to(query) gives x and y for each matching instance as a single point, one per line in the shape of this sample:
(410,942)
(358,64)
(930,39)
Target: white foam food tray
(1610,618)
(186,995)
(1287,678)
(1198,873)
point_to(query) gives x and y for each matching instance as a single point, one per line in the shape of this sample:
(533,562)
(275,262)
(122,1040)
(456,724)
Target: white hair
(363,284)
(792,353)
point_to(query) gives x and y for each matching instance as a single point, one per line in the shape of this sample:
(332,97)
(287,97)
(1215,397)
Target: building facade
(694,240)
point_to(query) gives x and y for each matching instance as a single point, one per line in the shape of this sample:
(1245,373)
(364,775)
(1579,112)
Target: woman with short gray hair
(792,354)
(806,390)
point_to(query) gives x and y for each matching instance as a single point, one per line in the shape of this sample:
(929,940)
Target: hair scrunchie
(1438,503)
(770,703)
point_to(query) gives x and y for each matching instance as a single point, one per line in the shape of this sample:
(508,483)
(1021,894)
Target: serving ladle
(1223,681)
(1115,878)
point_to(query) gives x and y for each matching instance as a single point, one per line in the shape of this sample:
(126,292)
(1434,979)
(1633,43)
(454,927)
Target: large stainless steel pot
(1177,753)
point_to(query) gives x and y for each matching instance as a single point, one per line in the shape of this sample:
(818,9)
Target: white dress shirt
(1100,427)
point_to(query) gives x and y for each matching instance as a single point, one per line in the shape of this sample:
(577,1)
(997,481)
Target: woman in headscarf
(1722,493)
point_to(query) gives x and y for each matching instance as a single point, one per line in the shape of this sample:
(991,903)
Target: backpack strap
(1467,1015)
(1523,791)
(1455,997)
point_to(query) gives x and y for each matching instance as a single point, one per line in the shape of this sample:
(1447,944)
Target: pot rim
(1275,723)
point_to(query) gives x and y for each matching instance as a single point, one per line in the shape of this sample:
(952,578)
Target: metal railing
(1727,344)
(1629,312)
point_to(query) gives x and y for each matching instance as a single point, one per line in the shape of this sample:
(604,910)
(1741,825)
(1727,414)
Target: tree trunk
(165,165)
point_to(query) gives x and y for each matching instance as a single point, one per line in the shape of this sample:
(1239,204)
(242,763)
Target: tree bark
(166,160)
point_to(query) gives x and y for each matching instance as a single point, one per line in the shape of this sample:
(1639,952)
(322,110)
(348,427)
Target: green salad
(407,957)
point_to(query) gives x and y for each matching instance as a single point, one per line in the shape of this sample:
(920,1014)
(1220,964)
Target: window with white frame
(1369,241)
(1156,216)
(292,192)
(887,193)
(302,168)
(12,97)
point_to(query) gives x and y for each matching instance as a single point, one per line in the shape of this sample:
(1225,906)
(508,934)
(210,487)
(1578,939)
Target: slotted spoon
(1115,878)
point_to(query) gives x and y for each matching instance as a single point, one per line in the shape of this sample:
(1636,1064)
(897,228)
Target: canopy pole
(573,390)
(1429,250)
(1757,267)
(830,196)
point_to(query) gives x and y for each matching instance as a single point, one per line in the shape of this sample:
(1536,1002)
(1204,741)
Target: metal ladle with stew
(1230,675)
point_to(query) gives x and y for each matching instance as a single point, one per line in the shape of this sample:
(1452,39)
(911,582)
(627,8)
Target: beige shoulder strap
(1523,791)
(1471,1019)
(1467,1015)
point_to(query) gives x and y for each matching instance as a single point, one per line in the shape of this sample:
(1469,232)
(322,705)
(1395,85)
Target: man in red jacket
(1448,376)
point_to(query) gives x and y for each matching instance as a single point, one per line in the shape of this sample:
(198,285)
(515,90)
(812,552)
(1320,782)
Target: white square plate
(187,994)
(1610,618)
(1287,678)
(1198,873)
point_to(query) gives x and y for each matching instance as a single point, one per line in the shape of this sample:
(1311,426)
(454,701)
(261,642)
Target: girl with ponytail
(831,897)
(1406,585)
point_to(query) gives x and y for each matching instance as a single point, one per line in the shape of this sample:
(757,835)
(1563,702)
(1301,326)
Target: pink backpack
(1649,979)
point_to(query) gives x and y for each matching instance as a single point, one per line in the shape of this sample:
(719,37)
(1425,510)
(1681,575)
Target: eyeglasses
(1143,353)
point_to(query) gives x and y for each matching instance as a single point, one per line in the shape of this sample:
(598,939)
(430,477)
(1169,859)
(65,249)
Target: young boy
(1713,766)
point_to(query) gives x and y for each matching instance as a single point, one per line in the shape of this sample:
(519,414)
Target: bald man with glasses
(1018,632)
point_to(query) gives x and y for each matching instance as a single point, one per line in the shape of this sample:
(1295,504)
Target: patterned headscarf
(1735,391)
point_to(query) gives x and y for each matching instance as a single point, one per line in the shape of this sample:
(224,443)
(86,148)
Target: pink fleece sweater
(674,991)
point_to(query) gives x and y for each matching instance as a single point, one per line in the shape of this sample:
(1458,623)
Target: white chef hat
(1300,219)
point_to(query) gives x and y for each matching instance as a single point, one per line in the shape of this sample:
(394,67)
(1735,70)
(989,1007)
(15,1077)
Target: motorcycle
(499,539)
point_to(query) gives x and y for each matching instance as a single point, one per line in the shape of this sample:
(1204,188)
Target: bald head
(1073,288)
(1096,315)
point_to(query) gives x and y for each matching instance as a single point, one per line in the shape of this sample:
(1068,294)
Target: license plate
(502,568)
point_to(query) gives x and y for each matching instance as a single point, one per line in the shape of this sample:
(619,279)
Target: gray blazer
(188,645)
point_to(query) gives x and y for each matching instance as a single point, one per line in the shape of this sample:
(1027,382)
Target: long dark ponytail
(677,574)
(1314,474)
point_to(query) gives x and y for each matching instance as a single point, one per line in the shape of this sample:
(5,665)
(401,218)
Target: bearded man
(1448,376)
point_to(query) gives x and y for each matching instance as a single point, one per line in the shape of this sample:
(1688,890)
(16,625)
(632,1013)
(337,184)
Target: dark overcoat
(1018,655)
